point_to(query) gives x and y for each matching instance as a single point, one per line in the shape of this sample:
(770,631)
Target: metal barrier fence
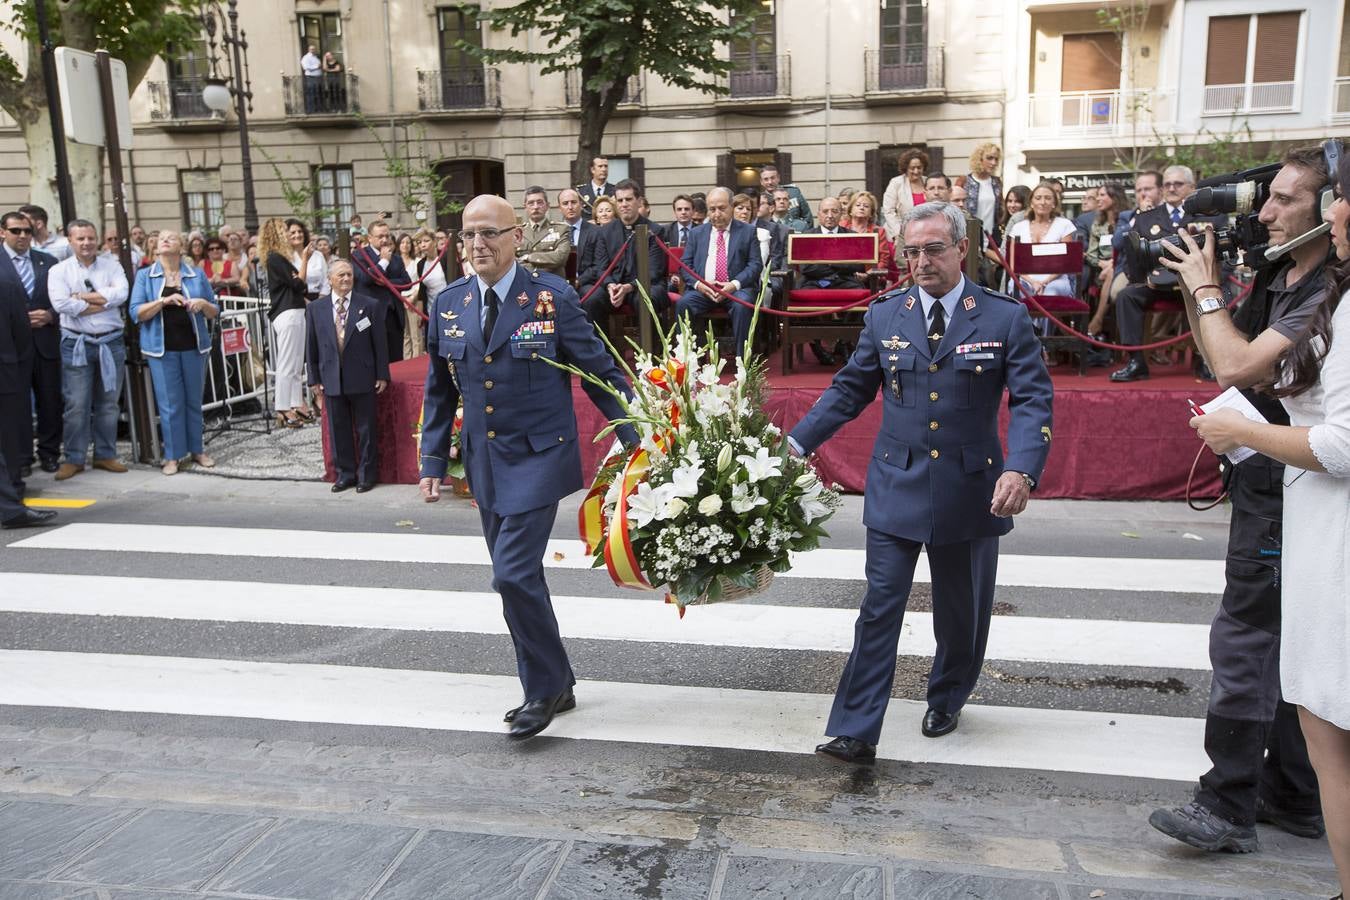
(236,367)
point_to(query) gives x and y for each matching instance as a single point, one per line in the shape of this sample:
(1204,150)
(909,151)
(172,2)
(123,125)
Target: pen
(1195,410)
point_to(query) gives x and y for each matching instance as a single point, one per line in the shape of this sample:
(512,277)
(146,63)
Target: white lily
(684,480)
(760,466)
(647,503)
(723,458)
(743,499)
(812,507)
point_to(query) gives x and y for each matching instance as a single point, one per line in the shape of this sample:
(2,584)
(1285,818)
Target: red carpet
(1111,441)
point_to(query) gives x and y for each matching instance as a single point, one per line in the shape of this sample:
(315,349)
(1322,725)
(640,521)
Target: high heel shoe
(285,421)
(304,415)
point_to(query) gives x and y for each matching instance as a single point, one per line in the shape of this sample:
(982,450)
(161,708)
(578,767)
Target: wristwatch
(1206,305)
(1030,482)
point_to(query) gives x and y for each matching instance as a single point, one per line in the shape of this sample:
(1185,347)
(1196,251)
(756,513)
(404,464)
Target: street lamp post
(220,91)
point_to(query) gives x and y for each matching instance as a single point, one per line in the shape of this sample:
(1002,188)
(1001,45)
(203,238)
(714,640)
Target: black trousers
(51,412)
(1131,304)
(1251,735)
(16,422)
(355,433)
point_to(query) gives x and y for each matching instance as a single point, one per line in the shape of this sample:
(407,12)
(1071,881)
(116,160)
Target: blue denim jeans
(178,377)
(90,405)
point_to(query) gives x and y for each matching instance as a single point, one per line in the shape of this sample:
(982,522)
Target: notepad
(1234,399)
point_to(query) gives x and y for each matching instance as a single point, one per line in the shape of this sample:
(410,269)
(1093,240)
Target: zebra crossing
(106,670)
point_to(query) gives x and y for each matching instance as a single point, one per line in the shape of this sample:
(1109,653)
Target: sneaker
(1305,825)
(1205,830)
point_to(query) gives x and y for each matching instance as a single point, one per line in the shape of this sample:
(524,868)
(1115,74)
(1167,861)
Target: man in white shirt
(312,69)
(89,290)
(111,244)
(47,241)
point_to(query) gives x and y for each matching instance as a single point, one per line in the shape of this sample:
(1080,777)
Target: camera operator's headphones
(1331,154)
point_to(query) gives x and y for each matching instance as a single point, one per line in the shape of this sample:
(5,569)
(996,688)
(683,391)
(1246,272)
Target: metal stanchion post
(646,334)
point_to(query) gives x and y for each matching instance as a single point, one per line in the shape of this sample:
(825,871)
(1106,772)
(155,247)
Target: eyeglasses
(487,234)
(929,250)
(19,230)
(1175,184)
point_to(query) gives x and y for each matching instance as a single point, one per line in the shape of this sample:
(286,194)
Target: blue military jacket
(519,437)
(937,456)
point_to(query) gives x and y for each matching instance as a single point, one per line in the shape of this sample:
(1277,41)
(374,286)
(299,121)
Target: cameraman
(1261,771)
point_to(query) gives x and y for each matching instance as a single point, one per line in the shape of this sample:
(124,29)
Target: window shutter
(1226,55)
(726,171)
(1276,47)
(637,170)
(784,163)
(1091,62)
(876,179)
(935,160)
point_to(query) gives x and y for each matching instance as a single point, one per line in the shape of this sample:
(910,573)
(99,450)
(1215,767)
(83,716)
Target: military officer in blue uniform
(941,353)
(488,337)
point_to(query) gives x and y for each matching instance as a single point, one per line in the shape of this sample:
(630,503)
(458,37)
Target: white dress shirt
(67,278)
(55,245)
(710,264)
(310,65)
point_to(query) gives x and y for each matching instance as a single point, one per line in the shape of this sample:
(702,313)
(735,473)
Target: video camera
(1237,194)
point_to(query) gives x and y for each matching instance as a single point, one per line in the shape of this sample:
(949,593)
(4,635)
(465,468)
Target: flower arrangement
(711,502)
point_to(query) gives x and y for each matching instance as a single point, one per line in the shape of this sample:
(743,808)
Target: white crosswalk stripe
(779,721)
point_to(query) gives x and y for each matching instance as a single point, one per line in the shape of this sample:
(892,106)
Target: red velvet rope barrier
(1031,301)
(376,274)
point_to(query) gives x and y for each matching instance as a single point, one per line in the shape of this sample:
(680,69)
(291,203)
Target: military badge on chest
(543,305)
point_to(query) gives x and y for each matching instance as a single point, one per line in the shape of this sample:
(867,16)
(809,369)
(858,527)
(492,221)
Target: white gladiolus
(710,505)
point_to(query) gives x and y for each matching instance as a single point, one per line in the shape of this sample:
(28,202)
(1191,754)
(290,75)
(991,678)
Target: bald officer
(941,353)
(489,337)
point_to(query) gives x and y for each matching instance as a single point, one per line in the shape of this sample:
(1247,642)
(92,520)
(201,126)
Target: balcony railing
(180,99)
(1099,113)
(327,95)
(466,88)
(1257,97)
(763,78)
(632,95)
(903,69)
(1340,112)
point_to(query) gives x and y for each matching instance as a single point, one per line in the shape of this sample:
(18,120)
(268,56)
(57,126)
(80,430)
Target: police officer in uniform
(488,338)
(941,353)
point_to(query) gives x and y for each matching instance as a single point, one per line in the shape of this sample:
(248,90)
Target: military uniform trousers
(964,576)
(1252,736)
(517,544)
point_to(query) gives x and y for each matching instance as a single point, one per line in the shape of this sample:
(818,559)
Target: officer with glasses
(941,353)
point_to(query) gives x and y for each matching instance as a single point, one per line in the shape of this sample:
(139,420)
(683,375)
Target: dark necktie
(1176,217)
(683,229)
(938,330)
(490,299)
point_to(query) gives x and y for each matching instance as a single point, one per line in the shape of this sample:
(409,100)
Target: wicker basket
(730,591)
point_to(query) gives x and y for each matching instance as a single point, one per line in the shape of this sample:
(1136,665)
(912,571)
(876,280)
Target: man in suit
(677,232)
(581,230)
(16,353)
(545,245)
(726,253)
(1145,289)
(826,275)
(598,186)
(619,288)
(489,340)
(382,255)
(347,358)
(942,354)
(23,274)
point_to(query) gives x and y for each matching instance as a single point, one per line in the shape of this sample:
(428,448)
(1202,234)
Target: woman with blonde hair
(173,302)
(424,267)
(1044,224)
(905,191)
(287,288)
(984,189)
(862,213)
(603,211)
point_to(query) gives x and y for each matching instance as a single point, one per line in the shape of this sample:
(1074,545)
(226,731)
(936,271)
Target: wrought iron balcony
(326,95)
(463,88)
(180,100)
(759,78)
(901,70)
(632,95)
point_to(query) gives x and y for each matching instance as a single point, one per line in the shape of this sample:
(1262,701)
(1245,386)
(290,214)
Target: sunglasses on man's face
(19,230)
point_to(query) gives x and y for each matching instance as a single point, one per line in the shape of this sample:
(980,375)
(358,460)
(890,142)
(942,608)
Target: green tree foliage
(682,42)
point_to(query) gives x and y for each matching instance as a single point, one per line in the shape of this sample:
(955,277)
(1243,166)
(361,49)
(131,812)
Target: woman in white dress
(1315,447)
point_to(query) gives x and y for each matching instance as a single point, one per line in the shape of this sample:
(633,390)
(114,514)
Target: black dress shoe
(937,723)
(536,715)
(569,701)
(31,518)
(849,750)
(365,487)
(1204,829)
(1135,370)
(823,356)
(1305,825)
(49,465)
(340,486)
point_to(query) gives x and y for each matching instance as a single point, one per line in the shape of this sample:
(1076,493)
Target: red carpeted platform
(1111,441)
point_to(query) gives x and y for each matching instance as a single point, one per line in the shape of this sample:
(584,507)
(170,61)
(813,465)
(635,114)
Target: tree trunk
(86,173)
